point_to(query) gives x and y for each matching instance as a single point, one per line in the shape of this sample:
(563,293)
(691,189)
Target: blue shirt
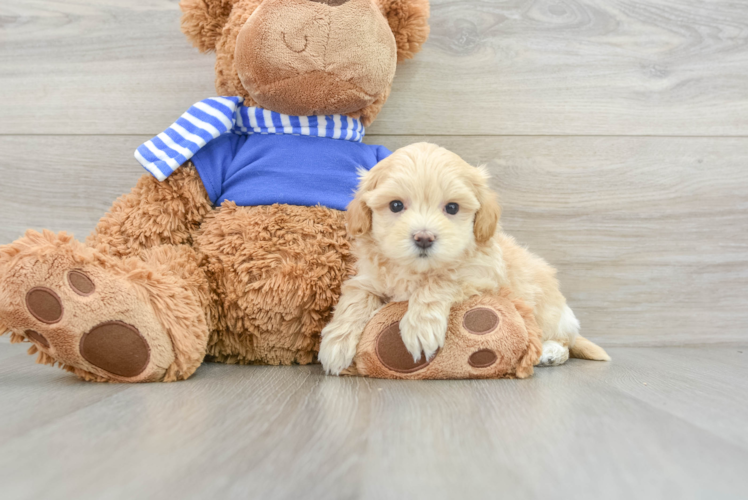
(262,169)
(254,156)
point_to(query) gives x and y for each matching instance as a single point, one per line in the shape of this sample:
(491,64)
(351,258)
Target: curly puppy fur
(467,255)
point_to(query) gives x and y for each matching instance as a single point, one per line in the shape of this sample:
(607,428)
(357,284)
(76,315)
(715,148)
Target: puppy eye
(452,208)
(396,206)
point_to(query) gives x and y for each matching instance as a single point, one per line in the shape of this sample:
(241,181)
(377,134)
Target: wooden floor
(655,423)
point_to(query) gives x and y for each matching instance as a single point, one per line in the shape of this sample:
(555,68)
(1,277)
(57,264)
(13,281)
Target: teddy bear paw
(81,314)
(486,338)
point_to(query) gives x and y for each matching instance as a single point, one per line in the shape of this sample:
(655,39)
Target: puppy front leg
(340,337)
(424,326)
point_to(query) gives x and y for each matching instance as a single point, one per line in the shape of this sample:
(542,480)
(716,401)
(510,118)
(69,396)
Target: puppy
(426,229)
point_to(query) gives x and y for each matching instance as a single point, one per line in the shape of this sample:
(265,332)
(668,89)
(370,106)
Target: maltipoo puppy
(426,230)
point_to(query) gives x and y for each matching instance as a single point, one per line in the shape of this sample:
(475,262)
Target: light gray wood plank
(586,67)
(704,386)
(96,66)
(650,235)
(290,432)
(63,182)
(35,395)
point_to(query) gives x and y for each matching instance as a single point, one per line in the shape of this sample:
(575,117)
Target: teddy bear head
(308,57)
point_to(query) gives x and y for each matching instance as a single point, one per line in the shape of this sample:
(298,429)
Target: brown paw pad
(81,283)
(117,348)
(483,358)
(45,305)
(393,354)
(37,337)
(480,321)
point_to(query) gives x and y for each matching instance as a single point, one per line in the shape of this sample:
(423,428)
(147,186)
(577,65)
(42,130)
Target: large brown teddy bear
(175,274)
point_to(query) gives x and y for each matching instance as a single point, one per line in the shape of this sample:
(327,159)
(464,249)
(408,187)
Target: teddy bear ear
(203,21)
(409,22)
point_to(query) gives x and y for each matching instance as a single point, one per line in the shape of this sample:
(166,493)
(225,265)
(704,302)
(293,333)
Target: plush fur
(350,53)
(233,284)
(470,256)
(515,341)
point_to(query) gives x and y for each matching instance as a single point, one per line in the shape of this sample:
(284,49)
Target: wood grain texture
(510,67)
(650,235)
(63,183)
(654,423)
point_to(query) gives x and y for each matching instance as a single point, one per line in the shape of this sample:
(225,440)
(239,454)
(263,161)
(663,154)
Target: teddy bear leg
(489,336)
(131,304)
(101,317)
(153,214)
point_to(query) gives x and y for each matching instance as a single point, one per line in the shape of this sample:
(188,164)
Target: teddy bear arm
(154,213)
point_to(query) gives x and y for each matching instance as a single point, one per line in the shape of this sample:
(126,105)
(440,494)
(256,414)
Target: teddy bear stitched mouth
(291,48)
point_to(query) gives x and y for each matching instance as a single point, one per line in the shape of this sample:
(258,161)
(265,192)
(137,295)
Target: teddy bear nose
(424,239)
(331,3)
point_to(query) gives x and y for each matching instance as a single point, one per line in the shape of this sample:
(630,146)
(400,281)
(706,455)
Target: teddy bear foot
(490,336)
(87,312)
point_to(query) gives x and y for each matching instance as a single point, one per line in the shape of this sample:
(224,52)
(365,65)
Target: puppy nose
(424,239)
(331,3)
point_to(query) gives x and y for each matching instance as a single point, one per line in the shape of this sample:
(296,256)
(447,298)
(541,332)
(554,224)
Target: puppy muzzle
(423,240)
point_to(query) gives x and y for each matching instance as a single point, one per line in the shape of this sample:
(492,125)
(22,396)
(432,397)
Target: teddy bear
(232,247)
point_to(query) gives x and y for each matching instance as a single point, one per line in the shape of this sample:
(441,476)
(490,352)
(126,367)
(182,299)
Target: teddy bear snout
(300,57)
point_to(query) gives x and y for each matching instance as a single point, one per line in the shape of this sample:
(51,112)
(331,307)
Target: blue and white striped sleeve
(200,124)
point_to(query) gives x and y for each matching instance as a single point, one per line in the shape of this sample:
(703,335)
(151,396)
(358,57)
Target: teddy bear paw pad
(37,338)
(483,358)
(45,305)
(393,354)
(80,283)
(480,321)
(117,348)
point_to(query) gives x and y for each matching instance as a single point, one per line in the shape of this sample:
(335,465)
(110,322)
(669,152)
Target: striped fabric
(210,118)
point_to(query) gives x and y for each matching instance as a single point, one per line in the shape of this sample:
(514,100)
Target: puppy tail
(584,349)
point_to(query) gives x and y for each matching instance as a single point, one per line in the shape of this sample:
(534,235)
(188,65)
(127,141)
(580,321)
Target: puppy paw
(423,335)
(554,354)
(336,350)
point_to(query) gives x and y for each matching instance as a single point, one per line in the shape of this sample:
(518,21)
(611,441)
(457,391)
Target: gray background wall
(616,130)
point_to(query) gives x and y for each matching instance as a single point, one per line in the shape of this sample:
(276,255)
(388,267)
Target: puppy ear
(487,217)
(409,22)
(358,217)
(358,214)
(203,20)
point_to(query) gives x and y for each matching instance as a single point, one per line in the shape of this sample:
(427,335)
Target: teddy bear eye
(452,208)
(396,206)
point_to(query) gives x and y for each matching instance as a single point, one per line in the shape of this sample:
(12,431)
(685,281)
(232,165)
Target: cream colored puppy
(426,230)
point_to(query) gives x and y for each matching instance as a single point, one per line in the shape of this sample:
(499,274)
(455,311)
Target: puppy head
(424,206)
